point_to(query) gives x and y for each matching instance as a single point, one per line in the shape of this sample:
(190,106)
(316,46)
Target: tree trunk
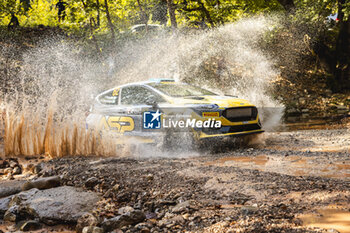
(288,5)
(206,12)
(342,65)
(93,37)
(171,10)
(92,27)
(98,12)
(110,24)
(144,17)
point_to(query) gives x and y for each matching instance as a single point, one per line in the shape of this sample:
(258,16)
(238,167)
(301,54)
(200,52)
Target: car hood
(221,101)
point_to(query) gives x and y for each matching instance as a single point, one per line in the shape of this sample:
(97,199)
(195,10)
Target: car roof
(153,80)
(143,25)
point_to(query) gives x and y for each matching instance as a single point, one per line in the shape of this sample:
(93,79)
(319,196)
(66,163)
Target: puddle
(329,218)
(230,206)
(343,166)
(339,175)
(310,123)
(290,165)
(258,160)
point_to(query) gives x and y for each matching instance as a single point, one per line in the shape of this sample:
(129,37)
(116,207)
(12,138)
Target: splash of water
(57,82)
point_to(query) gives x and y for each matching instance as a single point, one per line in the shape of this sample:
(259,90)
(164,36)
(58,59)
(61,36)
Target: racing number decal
(120,124)
(115,92)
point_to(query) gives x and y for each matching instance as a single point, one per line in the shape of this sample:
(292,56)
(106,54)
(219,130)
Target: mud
(289,183)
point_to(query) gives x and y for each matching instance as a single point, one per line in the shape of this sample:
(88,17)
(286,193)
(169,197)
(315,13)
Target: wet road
(288,181)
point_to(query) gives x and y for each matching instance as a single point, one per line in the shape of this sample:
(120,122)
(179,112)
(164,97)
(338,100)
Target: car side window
(137,95)
(110,98)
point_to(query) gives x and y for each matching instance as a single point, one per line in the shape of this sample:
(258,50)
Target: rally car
(145,111)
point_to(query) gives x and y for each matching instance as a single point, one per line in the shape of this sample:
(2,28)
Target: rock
(11,214)
(91,182)
(342,109)
(125,210)
(151,215)
(8,188)
(116,187)
(186,216)
(166,202)
(42,183)
(130,218)
(248,210)
(332,230)
(177,219)
(38,168)
(92,229)
(117,231)
(30,168)
(138,205)
(292,111)
(17,170)
(4,205)
(302,101)
(87,220)
(13,162)
(182,207)
(341,106)
(150,177)
(3,163)
(305,110)
(61,204)
(143,227)
(8,171)
(30,225)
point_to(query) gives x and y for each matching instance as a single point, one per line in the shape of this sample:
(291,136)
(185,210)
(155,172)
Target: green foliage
(125,13)
(192,12)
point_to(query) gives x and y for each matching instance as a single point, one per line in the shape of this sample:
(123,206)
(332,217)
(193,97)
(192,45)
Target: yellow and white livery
(122,110)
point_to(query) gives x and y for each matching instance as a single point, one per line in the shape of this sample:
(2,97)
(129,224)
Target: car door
(109,114)
(135,100)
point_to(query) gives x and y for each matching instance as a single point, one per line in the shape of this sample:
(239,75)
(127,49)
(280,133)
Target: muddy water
(258,160)
(329,218)
(290,165)
(306,153)
(314,122)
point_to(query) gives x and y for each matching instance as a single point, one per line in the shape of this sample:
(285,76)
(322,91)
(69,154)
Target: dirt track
(285,182)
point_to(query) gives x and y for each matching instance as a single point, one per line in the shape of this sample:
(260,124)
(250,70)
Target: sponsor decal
(210,114)
(154,120)
(191,123)
(117,123)
(115,92)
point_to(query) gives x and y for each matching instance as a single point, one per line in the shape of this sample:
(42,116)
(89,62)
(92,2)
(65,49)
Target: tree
(110,24)
(342,56)
(288,5)
(171,10)
(335,56)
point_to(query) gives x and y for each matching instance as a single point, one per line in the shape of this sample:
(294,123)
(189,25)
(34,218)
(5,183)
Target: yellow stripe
(203,135)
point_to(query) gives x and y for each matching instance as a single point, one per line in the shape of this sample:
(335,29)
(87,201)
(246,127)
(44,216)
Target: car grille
(232,129)
(240,128)
(240,114)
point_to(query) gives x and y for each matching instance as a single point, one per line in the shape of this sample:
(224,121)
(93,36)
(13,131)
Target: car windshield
(180,90)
